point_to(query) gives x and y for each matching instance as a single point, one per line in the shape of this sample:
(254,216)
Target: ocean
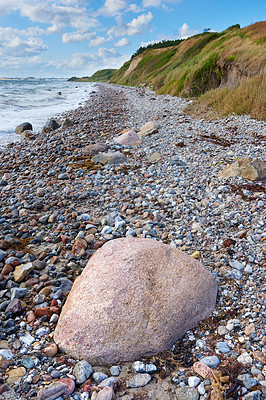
(35,101)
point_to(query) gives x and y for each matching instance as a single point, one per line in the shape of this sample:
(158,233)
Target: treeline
(159,45)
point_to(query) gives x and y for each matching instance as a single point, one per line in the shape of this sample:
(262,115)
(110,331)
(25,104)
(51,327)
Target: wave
(35,102)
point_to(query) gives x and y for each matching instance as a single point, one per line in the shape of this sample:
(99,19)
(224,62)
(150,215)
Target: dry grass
(245,98)
(226,71)
(256,31)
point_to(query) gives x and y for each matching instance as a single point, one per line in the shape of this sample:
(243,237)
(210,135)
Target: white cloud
(13,63)
(151,3)
(57,14)
(158,3)
(184,32)
(16,43)
(136,26)
(75,37)
(122,42)
(97,41)
(140,24)
(112,7)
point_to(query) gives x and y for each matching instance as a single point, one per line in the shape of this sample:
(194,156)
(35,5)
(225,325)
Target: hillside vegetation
(224,71)
(102,75)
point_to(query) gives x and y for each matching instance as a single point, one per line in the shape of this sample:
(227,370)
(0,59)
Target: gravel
(58,206)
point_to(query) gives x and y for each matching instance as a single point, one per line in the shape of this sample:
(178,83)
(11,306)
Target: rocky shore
(59,204)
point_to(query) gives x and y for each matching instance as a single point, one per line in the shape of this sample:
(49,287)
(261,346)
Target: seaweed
(231,368)
(216,140)
(252,187)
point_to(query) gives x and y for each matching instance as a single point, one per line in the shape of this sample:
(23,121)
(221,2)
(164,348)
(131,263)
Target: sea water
(35,101)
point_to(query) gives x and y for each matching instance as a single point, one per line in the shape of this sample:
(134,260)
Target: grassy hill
(224,71)
(102,75)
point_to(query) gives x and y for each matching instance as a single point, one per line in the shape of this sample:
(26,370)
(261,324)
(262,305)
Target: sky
(64,38)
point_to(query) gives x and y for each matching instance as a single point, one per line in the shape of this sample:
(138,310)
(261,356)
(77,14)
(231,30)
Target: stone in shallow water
(23,127)
(160,294)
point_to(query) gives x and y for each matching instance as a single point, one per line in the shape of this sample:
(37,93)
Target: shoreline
(50,184)
(36,102)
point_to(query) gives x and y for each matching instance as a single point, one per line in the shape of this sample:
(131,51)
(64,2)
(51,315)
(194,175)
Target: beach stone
(255,395)
(82,371)
(187,393)
(23,127)
(138,380)
(128,137)
(28,135)
(258,355)
(15,374)
(21,271)
(110,158)
(245,168)
(244,358)
(3,254)
(50,350)
(202,369)
(52,391)
(250,382)
(70,386)
(106,393)
(115,370)
(51,125)
(160,295)
(211,361)
(4,388)
(27,362)
(110,382)
(99,377)
(149,128)
(6,354)
(193,381)
(223,347)
(94,149)
(139,366)
(151,368)
(67,123)
(15,306)
(38,265)
(155,157)
(249,329)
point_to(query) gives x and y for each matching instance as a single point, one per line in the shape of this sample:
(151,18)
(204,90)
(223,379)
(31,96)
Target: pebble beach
(58,205)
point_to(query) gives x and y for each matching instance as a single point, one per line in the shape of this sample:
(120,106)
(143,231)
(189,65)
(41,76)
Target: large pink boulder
(135,298)
(129,137)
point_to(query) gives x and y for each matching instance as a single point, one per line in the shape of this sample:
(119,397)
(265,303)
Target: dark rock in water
(51,125)
(67,123)
(25,126)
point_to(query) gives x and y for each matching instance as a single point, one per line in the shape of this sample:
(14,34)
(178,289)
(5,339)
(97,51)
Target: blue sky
(64,38)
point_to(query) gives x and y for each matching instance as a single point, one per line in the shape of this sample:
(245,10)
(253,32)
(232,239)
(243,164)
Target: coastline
(49,183)
(36,101)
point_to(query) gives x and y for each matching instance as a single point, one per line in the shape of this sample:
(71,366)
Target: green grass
(210,66)
(103,75)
